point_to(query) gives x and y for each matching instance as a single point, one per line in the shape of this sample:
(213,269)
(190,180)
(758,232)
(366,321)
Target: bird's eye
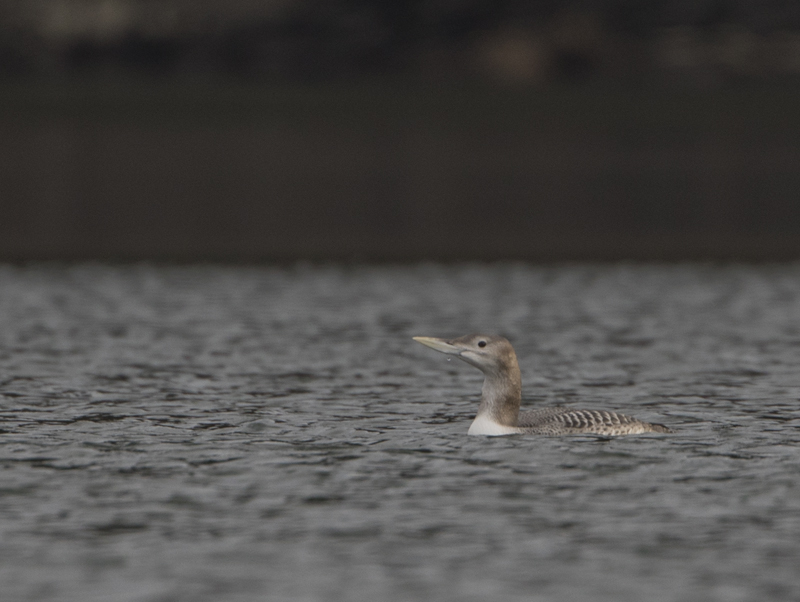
(481,343)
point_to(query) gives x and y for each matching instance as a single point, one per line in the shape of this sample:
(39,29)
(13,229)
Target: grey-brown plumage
(498,413)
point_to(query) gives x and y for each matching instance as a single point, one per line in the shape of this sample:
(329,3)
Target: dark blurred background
(251,130)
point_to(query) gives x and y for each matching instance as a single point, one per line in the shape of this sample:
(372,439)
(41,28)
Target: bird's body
(498,413)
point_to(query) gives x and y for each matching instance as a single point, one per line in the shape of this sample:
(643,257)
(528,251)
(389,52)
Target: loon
(499,412)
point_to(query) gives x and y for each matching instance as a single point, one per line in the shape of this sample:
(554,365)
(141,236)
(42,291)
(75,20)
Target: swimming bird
(498,413)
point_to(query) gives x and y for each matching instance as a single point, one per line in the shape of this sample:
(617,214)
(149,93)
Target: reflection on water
(210,433)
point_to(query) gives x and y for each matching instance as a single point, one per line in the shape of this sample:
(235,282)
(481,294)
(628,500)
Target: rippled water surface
(215,433)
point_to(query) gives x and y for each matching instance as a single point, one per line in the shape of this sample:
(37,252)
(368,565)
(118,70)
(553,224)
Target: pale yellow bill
(438,344)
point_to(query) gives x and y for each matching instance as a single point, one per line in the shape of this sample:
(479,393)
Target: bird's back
(566,421)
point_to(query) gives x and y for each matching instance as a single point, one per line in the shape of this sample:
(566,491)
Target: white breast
(483,425)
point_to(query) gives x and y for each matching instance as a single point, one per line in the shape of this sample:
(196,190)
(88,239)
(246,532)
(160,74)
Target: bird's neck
(502,391)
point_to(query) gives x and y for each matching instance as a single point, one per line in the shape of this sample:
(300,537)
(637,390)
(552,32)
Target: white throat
(484,425)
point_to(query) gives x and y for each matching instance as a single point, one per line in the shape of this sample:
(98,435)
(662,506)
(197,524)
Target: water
(215,433)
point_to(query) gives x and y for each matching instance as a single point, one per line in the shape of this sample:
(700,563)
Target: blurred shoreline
(699,44)
(272,130)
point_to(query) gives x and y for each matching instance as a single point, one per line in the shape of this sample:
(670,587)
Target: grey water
(206,433)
